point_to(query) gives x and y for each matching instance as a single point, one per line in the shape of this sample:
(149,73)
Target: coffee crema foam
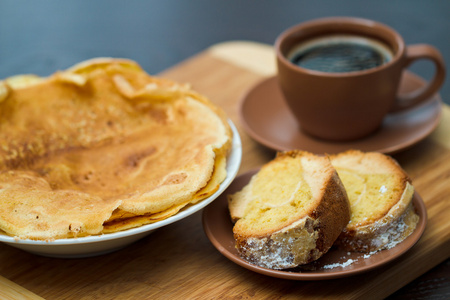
(340,54)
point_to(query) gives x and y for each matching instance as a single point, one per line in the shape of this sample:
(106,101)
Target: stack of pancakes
(103,147)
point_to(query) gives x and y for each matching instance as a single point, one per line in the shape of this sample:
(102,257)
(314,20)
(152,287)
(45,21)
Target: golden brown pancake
(121,220)
(107,136)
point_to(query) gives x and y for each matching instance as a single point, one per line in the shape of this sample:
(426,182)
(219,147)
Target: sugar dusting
(342,265)
(391,237)
(349,261)
(387,238)
(273,256)
(287,248)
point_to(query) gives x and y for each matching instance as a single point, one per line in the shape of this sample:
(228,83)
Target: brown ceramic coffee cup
(350,103)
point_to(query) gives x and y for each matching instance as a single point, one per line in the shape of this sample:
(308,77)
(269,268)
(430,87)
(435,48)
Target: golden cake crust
(311,232)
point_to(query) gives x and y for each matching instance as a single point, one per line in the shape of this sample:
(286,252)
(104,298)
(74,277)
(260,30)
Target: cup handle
(413,53)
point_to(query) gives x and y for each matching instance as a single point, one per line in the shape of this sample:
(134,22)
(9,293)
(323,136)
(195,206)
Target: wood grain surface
(179,262)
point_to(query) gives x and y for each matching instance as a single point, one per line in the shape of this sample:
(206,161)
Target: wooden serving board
(179,262)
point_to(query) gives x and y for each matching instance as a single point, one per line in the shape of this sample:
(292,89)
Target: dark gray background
(42,36)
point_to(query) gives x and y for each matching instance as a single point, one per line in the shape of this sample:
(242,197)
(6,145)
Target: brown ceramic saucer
(219,229)
(267,119)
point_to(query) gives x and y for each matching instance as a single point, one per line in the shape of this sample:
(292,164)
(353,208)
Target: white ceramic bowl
(105,243)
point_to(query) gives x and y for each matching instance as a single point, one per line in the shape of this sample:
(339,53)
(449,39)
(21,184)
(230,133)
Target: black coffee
(339,54)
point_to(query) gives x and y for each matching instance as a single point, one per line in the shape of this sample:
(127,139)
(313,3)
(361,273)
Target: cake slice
(380,194)
(291,211)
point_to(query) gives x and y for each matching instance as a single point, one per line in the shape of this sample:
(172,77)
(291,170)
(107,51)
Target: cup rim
(341,22)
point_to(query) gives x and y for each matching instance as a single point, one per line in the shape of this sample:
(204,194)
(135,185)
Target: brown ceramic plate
(335,264)
(267,119)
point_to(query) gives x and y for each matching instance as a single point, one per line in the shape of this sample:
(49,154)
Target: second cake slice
(380,194)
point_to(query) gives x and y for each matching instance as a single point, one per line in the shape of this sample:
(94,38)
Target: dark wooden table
(41,37)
